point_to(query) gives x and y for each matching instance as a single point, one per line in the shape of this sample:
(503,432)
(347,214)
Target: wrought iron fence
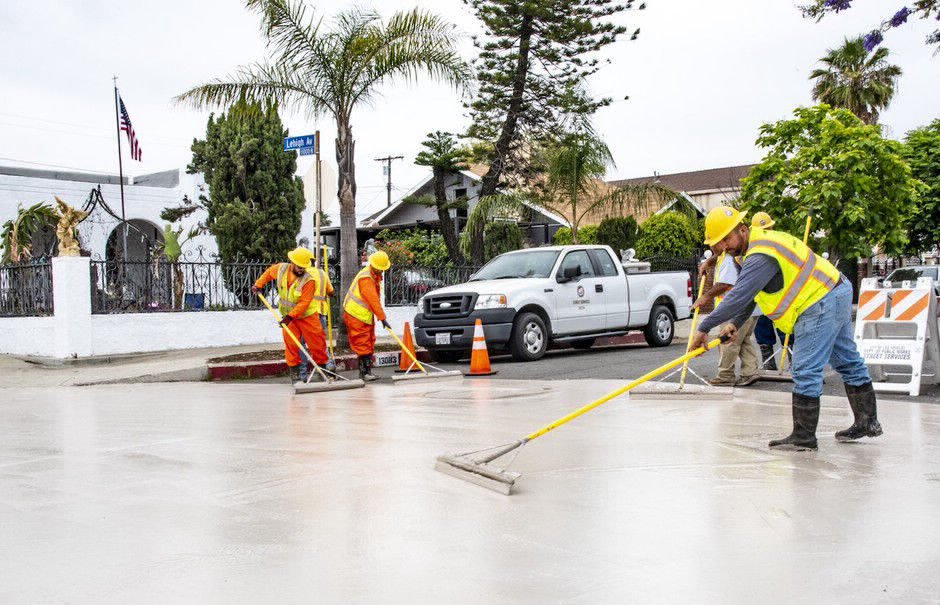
(26,289)
(131,287)
(405,285)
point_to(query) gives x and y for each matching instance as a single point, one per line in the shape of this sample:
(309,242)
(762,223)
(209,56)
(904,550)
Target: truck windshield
(535,263)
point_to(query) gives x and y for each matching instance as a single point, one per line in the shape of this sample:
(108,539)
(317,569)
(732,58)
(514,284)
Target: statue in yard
(65,229)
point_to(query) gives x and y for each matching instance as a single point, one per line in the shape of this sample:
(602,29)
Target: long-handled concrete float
(474,466)
(333,382)
(409,375)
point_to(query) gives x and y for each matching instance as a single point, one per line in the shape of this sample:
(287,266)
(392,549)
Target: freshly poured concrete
(244,493)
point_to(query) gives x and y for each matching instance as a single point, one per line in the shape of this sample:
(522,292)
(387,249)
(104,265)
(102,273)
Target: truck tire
(583,344)
(661,327)
(529,339)
(440,356)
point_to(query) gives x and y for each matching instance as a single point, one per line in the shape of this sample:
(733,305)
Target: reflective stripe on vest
(289,296)
(353,303)
(319,294)
(807,277)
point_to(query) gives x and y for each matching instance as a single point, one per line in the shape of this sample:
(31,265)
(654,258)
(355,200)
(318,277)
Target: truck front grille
(443,306)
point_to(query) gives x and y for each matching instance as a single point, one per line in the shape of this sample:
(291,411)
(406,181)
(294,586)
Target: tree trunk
(346,192)
(490,181)
(443,215)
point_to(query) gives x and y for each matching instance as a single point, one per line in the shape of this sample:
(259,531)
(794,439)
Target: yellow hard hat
(379,261)
(301,257)
(762,220)
(719,223)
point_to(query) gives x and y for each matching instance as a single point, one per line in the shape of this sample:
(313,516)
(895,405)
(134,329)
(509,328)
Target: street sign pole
(319,205)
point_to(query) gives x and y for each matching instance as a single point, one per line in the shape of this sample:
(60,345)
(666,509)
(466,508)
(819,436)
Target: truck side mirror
(569,274)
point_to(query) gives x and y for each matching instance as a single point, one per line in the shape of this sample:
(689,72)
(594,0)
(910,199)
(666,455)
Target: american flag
(136,152)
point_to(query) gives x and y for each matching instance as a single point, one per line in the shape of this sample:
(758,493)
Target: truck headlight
(491,301)
(421,305)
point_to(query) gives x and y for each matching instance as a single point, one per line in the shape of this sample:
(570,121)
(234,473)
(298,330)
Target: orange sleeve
(270,274)
(370,296)
(306,296)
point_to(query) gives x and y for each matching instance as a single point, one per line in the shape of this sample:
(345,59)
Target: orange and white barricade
(896,334)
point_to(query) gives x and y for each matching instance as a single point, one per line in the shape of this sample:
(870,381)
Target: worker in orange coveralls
(362,307)
(299,294)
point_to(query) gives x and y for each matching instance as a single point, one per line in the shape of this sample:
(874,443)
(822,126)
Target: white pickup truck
(528,299)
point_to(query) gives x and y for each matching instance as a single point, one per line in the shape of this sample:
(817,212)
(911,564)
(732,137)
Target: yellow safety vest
(807,277)
(354,304)
(288,296)
(319,301)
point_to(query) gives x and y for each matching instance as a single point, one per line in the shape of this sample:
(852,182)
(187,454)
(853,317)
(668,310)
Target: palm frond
(263,84)
(287,28)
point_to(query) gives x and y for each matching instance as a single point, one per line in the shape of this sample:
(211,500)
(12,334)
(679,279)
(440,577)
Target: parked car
(528,299)
(902,274)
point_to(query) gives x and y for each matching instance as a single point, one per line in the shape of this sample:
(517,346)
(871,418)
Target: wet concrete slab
(246,493)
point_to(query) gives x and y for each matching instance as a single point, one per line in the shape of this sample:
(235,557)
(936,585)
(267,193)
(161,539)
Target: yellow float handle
(618,392)
(286,331)
(685,366)
(403,348)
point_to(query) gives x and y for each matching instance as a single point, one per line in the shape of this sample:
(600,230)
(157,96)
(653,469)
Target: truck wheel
(583,344)
(660,329)
(439,356)
(529,339)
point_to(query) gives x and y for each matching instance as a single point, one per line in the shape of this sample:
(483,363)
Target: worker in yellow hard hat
(762,220)
(362,307)
(299,296)
(803,294)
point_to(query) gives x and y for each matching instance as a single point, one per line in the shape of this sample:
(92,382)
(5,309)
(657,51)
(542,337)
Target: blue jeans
(824,334)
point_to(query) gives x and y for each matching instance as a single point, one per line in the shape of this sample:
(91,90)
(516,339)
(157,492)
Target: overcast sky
(702,77)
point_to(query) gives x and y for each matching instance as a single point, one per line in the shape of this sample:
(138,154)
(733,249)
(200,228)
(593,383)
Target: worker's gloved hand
(385,323)
(255,289)
(286,320)
(728,332)
(699,340)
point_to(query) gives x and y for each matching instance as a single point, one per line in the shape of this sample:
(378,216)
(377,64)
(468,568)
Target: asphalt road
(626,362)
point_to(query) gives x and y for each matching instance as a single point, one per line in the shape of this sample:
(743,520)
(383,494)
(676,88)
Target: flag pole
(117,123)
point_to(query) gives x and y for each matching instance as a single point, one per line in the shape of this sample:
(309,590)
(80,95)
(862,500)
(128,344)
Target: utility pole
(388,172)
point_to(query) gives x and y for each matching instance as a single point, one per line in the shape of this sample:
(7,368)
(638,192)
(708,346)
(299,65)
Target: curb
(260,369)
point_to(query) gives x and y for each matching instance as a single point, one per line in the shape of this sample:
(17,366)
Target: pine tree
(531,69)
(255,202)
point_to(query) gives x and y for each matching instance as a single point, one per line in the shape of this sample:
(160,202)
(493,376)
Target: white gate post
(71,292)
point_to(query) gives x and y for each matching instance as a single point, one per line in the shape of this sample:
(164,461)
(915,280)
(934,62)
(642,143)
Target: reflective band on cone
(479,357)
(406,362)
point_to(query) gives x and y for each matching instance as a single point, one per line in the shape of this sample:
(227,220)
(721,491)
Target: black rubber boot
(864,406)
(293,373)
(767,352)
(805,419)
(365,368)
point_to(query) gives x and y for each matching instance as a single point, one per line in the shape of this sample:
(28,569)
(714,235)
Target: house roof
(711,179)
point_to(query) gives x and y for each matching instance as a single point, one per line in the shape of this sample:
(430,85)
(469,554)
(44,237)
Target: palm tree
(334,72)
(855,80)
(444,158)
(17,235)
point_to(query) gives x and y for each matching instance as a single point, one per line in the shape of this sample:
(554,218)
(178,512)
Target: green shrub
(413,247)
(618,232)
(586,235)
(668,234)
(500,237)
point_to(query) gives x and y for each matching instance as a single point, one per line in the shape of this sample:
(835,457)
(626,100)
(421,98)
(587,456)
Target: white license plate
(442,338)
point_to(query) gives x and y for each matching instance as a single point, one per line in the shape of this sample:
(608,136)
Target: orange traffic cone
(405,362)
(479,357)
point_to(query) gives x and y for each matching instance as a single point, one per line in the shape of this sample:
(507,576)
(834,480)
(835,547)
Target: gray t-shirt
(760,272)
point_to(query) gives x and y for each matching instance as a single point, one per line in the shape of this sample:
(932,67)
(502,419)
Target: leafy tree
(255,202)
(413,247)
(922,152)
(18,233)
(925,9)
(855,80)
(573,185)
(502,236)
(587,234)
(828,164)
(335,71)
(445,158)
(668,234)
(618,232)
(532,62)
